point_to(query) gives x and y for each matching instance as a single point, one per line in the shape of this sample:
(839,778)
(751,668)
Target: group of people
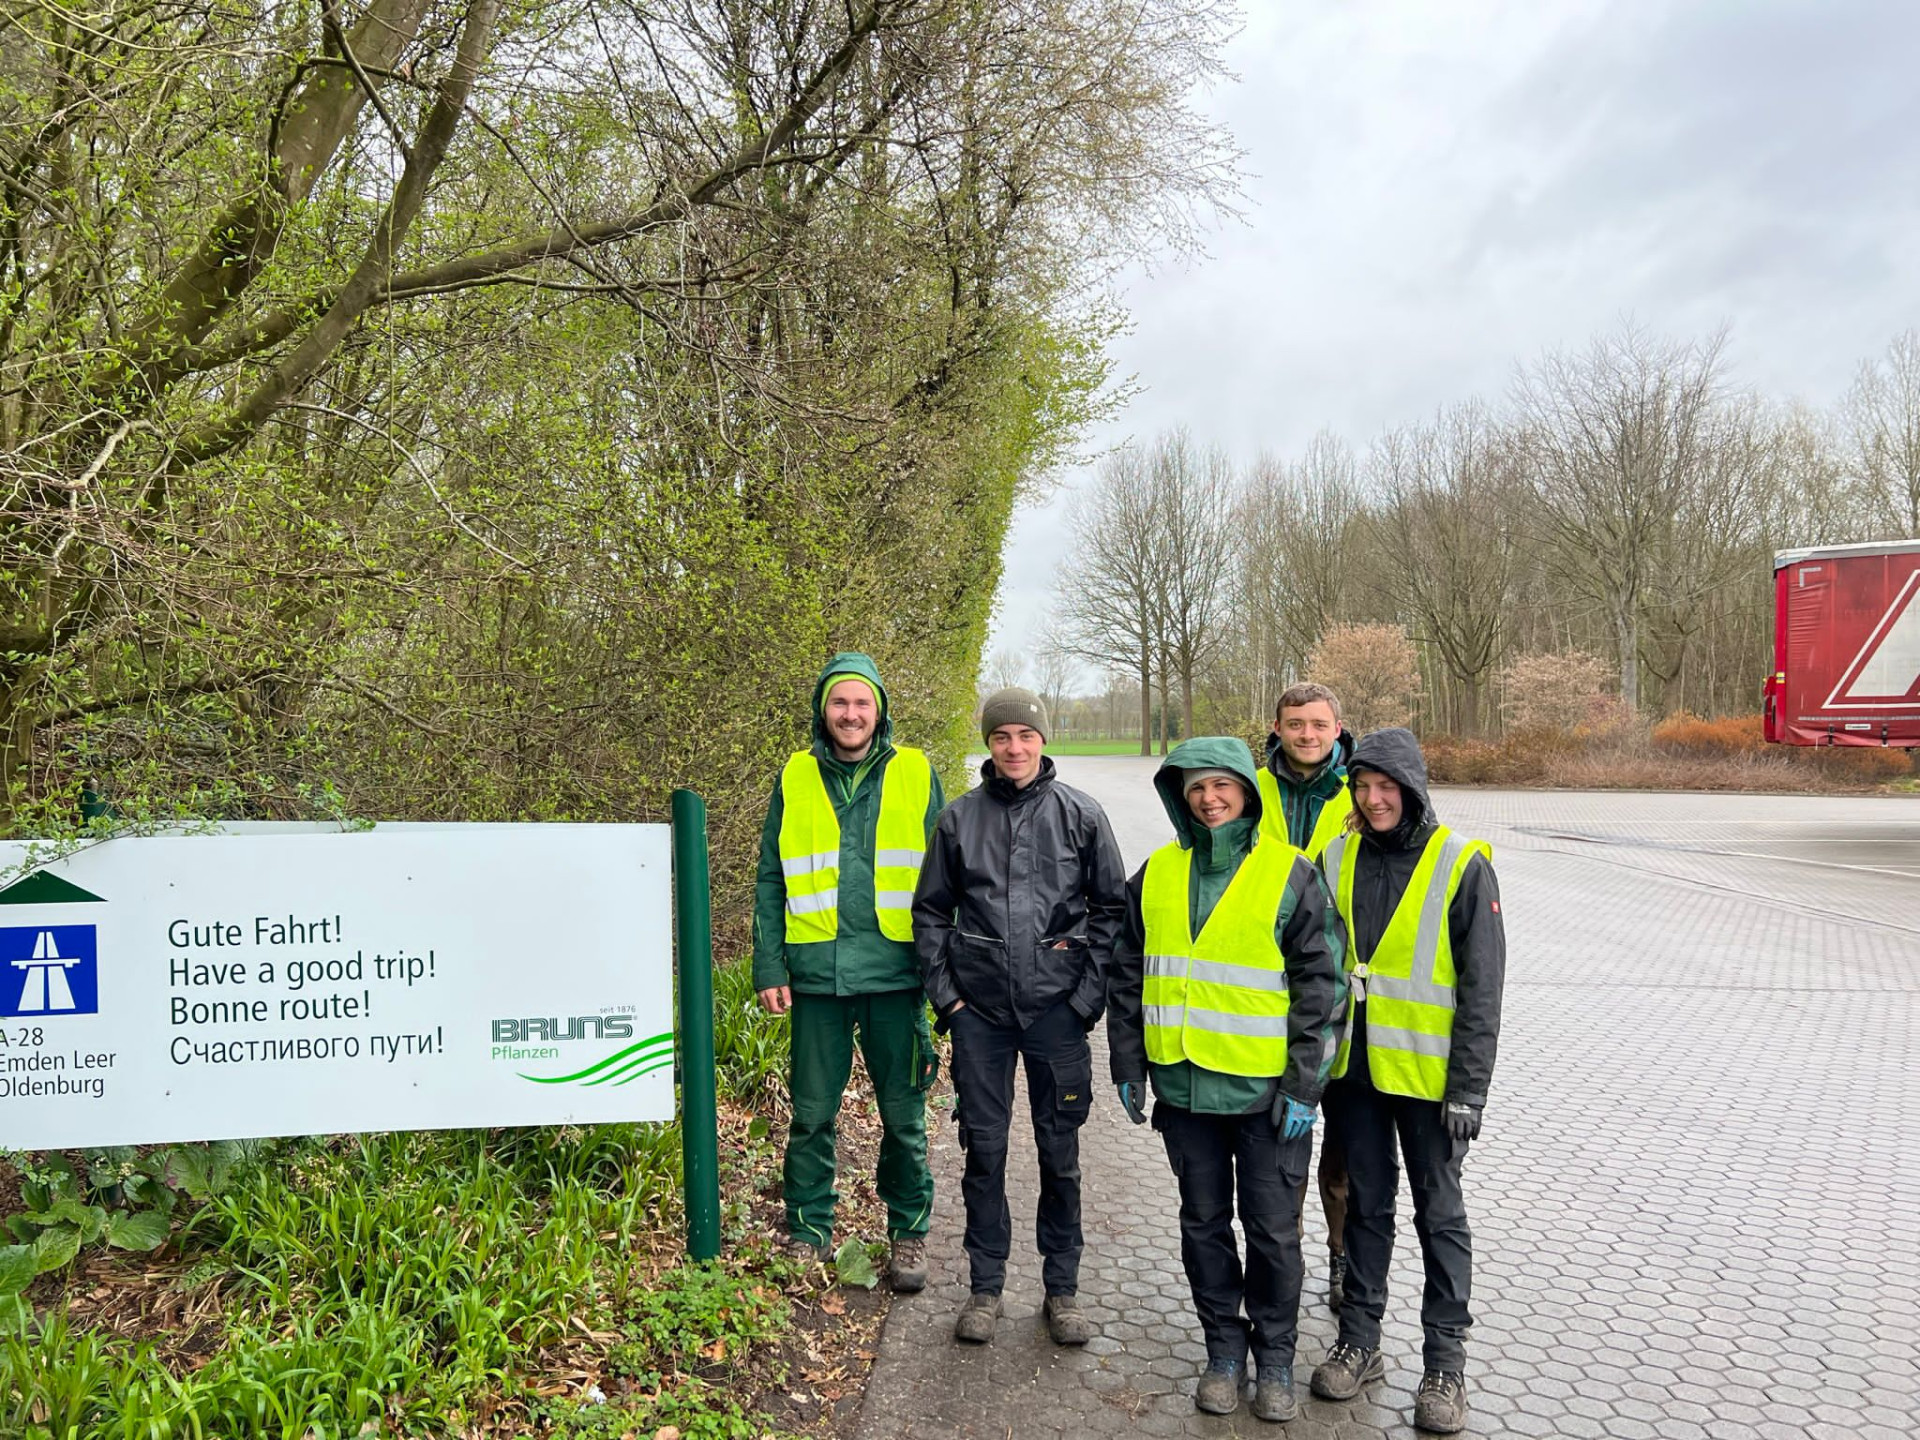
(1312,937)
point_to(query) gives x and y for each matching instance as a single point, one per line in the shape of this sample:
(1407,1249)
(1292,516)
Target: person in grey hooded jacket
(1427,959)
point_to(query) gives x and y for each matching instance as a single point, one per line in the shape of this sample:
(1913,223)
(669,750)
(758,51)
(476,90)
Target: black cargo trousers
(1379,1129)
(1059,1065)
(1218,1159)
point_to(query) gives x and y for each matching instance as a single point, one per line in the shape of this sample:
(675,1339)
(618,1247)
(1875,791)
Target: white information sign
(411,977)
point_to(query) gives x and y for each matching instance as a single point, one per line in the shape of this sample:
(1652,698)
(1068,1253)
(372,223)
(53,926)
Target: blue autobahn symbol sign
(48,970)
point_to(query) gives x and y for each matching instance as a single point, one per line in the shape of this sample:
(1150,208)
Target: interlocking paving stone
(1696,1202)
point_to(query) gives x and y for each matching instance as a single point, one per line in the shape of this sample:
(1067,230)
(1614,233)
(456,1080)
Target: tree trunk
(1146,698)
(1626,631)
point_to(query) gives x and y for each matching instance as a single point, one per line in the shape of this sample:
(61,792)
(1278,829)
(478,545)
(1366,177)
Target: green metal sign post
(693,952)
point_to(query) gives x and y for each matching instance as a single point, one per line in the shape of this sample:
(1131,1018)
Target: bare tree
(1054,669)
(1195,486)
(1295,522)
(1447,521)
(1613,440)
(1108,593)
(1004,668)
(1883,419)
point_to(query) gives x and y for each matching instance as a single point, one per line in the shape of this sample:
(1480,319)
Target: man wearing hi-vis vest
(1226,990)
(1304,801)
(840,855)
(1426,959)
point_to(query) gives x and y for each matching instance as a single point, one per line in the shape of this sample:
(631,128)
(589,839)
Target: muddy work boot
(1273,1400)
(1440,1404)
(1345,1370)
(975,1323)
(805,1252)
(1336,1281)
(907,1266)
(1067,1323)
(1219,1389)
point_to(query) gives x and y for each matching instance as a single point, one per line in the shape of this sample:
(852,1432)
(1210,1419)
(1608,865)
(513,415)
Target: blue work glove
(1463,1120)
(1290,1117)
(1131,1093)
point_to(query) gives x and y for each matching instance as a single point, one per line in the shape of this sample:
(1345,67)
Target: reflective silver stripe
(909,858)
(1217,1022)
(813,904)
(1388,1037)
(1332,858)
(1216,972)
(1248,977)
(807,864)
(1433,916)
(893,899)
(1418,992)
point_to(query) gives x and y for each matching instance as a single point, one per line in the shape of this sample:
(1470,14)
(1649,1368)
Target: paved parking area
(1696,1203)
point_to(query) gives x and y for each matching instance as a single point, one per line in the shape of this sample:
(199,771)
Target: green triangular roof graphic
(45,888)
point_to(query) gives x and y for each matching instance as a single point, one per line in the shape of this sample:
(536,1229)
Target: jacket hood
(1340,758)
(851,662)
(1204,752)
(1396,754)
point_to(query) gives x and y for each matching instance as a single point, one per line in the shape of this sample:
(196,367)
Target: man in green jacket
(1304,800)
(1227,990)
(840,855)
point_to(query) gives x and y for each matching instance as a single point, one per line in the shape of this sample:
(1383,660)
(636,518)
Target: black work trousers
(1059,1067)
(1214,1157)
(1378,1129)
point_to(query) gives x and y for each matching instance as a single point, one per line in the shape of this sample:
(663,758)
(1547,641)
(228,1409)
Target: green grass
(1093,747)
(407,1282)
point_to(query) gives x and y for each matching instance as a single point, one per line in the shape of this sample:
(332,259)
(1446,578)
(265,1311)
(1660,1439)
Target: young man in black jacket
(1020,900)
(1426,958)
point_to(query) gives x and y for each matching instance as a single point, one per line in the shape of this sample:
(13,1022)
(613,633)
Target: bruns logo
(579,1027)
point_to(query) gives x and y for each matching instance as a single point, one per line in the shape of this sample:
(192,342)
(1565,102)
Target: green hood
(852,662)
(1204,752)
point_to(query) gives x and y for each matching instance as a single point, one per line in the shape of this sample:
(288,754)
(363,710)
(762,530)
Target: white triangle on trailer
(1885,675)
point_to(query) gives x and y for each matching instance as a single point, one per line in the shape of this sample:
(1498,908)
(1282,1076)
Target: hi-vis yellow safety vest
(1407,983)
(1219,998)
(810,846)
(1332,820)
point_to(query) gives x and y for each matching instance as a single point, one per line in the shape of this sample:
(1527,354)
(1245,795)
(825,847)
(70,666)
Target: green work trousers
(894,1041)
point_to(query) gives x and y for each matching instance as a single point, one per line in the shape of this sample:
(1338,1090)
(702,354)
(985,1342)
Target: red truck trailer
(1846,646)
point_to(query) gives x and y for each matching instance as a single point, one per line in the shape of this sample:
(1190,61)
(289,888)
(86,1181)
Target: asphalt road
(1696,1202)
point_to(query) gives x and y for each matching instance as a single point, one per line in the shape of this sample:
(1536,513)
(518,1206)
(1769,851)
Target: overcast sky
(1436,191)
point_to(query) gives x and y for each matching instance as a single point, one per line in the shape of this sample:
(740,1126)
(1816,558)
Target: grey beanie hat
(1191,778)
(1013,706)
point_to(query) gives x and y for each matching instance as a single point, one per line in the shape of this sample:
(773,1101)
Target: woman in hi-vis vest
(1225,992)
(1426,958)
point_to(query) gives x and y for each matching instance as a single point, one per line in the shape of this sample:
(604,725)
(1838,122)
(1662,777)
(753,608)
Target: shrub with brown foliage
(1373,669)
(1683,752)
(1559,692)
(1685,733)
